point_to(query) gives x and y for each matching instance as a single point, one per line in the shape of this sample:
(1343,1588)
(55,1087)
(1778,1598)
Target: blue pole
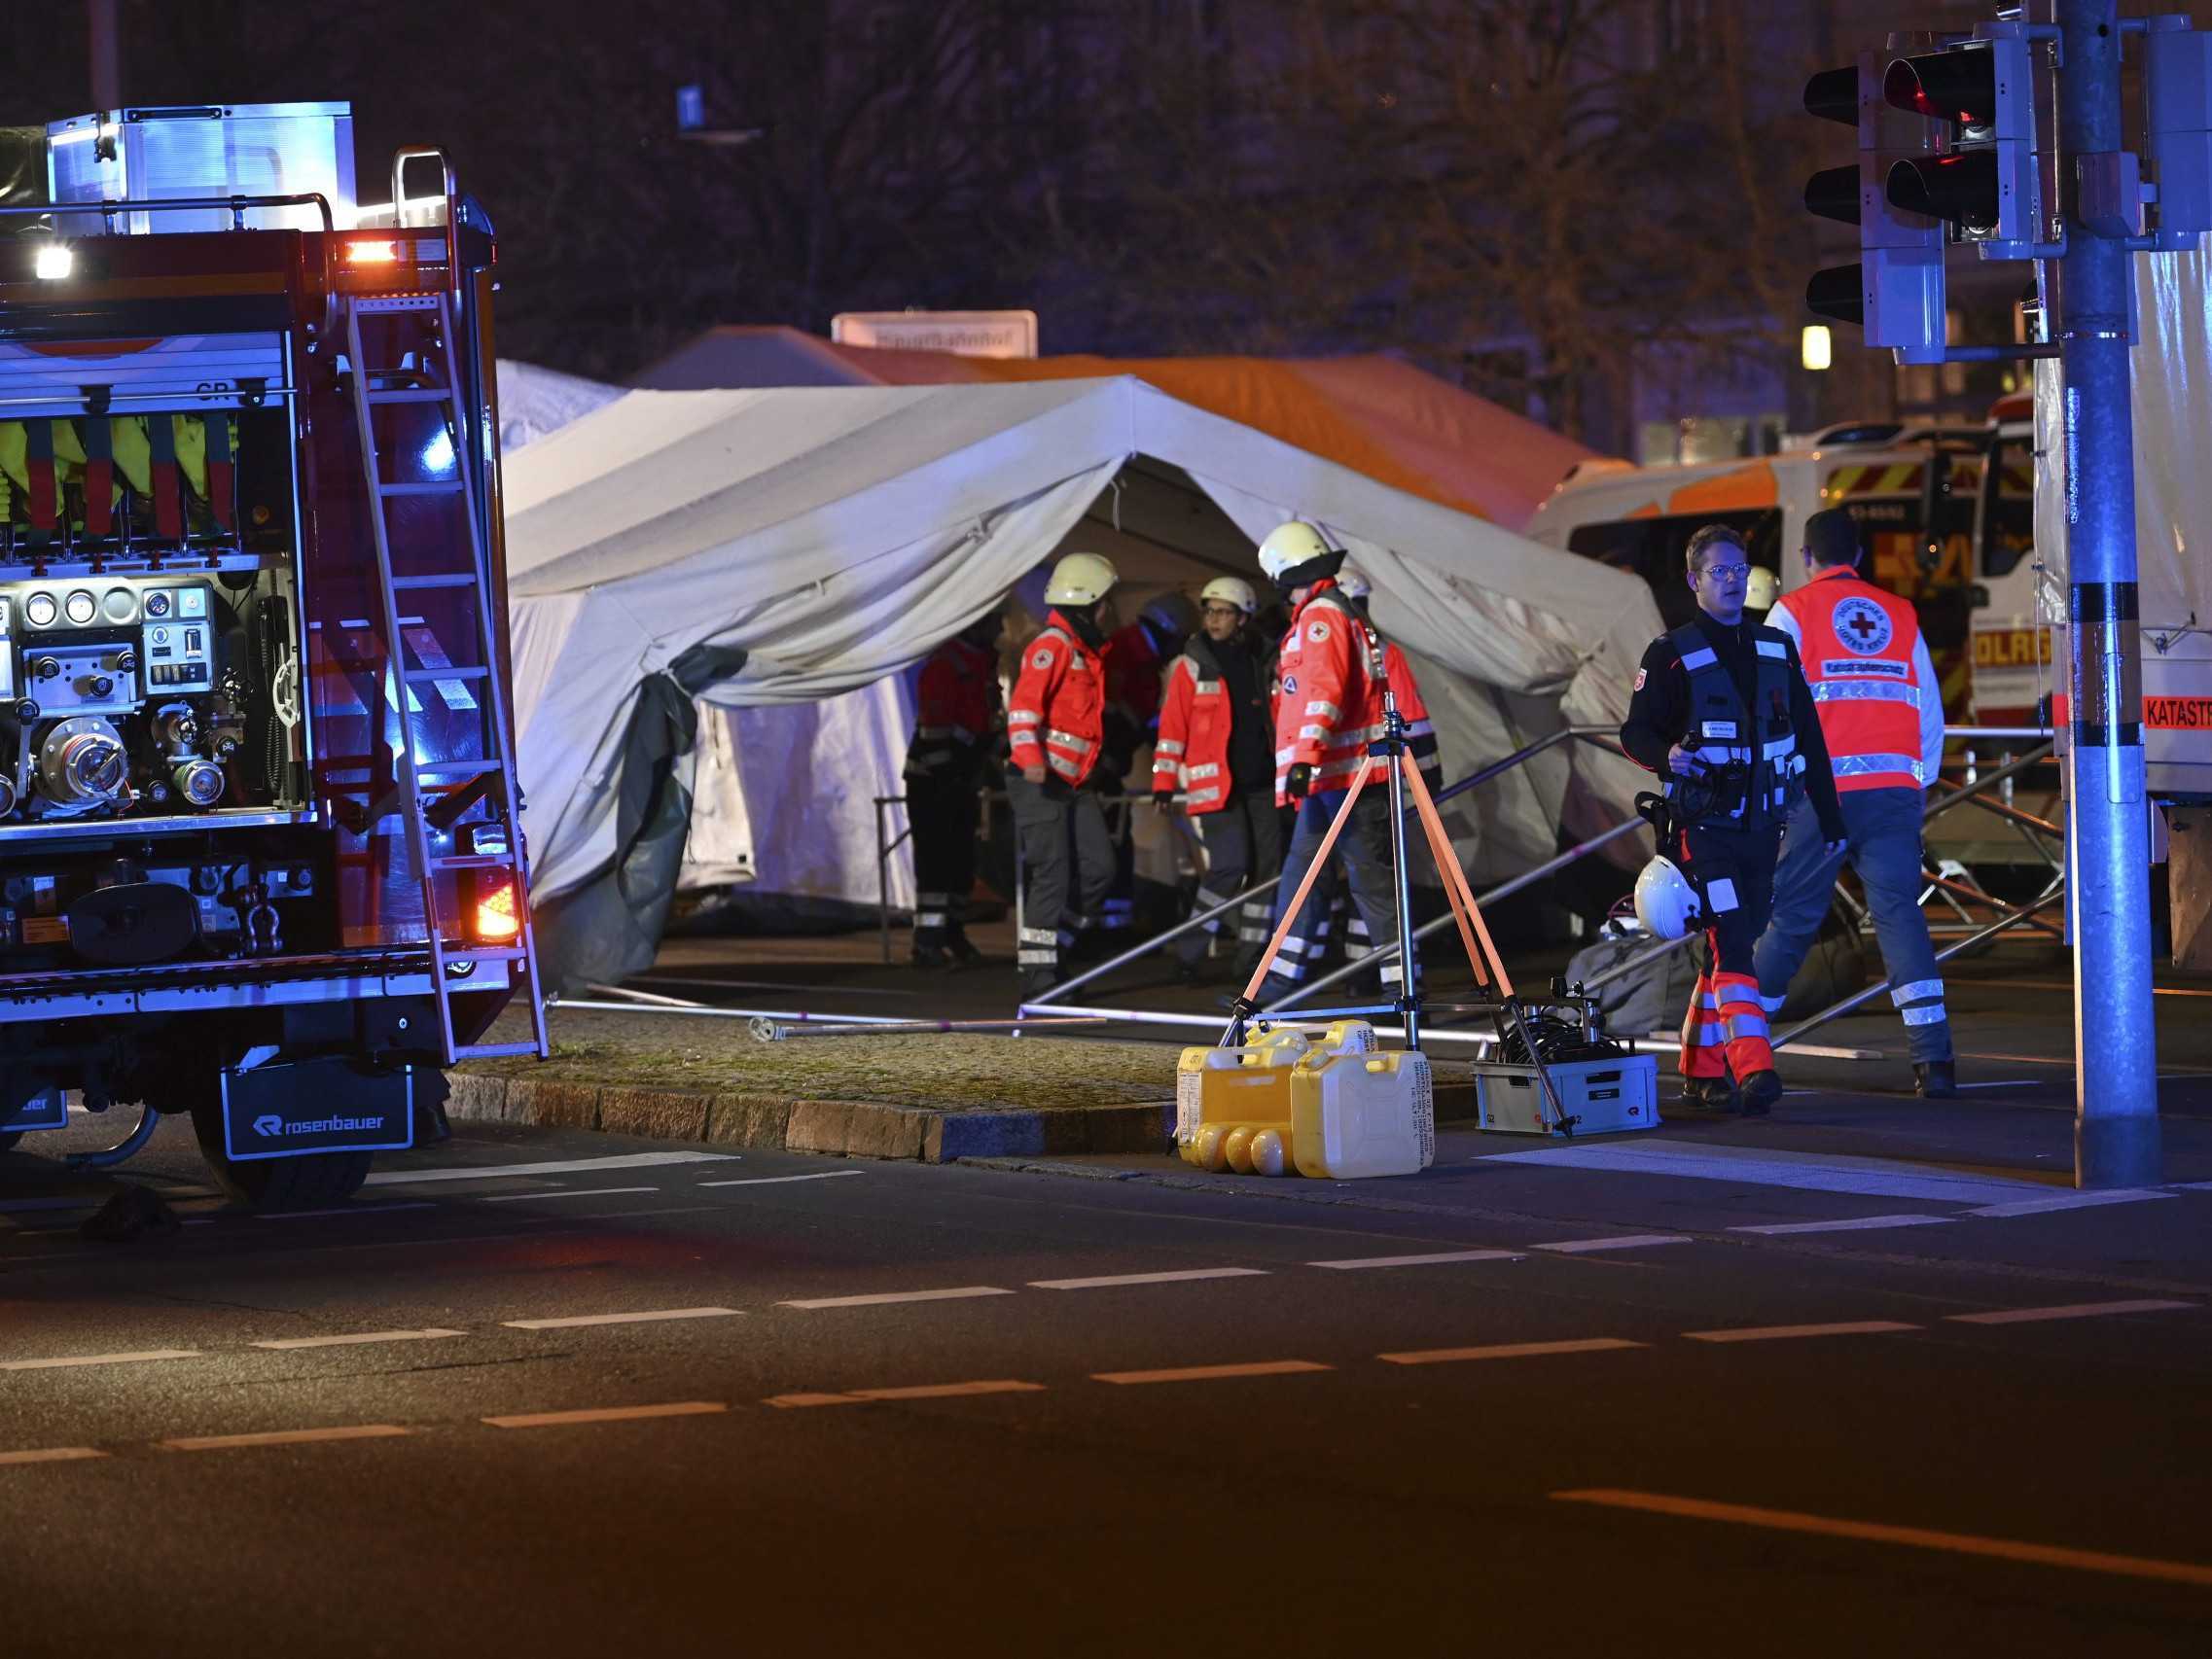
(2115,1087)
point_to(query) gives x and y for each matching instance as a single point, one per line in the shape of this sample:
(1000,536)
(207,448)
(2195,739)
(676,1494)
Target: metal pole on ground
(2116,1124)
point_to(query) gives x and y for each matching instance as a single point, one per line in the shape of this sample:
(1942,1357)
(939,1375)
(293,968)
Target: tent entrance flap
(609,928)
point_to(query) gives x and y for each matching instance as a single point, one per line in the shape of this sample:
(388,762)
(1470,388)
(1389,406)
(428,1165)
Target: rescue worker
(1216,748)
(1056,733)
(1331,679)
(1421,741)
(956,724)
(1722,713)
(1881,712)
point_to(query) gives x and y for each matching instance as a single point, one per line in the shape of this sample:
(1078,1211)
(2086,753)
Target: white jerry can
(1360,1114)
(1232,1105)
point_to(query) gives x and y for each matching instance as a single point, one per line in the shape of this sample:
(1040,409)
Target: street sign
(965,334)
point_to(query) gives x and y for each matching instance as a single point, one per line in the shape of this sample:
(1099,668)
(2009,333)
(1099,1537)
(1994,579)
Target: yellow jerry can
(1359,1114)
(1232,1105)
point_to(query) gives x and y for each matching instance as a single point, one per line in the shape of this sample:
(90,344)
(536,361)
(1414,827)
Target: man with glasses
(1720,712)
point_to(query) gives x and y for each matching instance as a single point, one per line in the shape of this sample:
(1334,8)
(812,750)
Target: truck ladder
(488,776)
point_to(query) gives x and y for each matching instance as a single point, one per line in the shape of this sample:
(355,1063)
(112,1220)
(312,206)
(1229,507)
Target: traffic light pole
(2115,1091)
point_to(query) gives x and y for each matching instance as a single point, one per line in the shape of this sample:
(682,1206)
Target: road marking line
(608,1414)
(12,1204)
(1437,1259)
(2069,1201)
(1863,1178)
(924,1390)
(146,1355)
(2069,1311)
(1858,1225)
(285,1438)
(2194,1187)
(52,1455)
(1509,1351)
(951,1390)
(1781,1333)
(577,1321)
(554,1166)
(1110,1281)
(1628,1241)
(781,1179)
(340,1210)
(286,1344)
(563,1192)
(2009,1083)
(1212,1374)
(1917,1537)
(887,1298)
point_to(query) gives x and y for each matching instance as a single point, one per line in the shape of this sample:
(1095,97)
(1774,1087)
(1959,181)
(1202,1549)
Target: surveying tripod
(1503,1007)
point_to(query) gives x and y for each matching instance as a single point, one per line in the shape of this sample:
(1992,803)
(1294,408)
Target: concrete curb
(841,1128)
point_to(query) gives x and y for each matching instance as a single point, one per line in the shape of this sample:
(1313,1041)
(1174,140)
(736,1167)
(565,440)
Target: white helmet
(1080,578)
(1666,902)
(1760,589)
(1352,583)
(1231,590)
(1289,546)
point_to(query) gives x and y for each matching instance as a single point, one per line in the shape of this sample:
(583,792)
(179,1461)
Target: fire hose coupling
(83,762)
(199,782)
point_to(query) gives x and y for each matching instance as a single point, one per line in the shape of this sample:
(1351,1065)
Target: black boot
(1759,1091)
(1935,1080)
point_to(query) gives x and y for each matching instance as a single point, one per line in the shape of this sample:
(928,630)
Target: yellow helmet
(1761,590)
(1290,546)
(1080,578)
(1231,590)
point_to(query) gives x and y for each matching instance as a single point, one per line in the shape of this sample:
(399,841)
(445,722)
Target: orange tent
(1381,417)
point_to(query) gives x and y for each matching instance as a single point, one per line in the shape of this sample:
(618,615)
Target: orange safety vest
(1195,721)
(1057,715)
(1329,705)
(1857,652)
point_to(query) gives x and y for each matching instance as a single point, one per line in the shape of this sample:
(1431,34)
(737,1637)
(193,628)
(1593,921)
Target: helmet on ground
(1170,614)
(1666,902)
(1762,589)
(1296,553)
(1231,590)
(1080,578)
(1352,583)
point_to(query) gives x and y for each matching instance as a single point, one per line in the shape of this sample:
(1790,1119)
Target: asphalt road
(598,1395)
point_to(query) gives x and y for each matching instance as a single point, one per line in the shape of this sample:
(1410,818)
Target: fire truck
(260,846)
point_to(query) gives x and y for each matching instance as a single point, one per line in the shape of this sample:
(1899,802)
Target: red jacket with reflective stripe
(1871,676)
(1196,720)
(1055,717)
(1328,701)
(955,708)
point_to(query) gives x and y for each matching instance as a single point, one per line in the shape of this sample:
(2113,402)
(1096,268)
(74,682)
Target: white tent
(833,536)
(805,832)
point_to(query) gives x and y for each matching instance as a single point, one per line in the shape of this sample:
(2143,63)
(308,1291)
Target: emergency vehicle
(1949,518)
(1913,491)
(259,851)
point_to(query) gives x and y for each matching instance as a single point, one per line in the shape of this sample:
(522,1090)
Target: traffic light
(2177,140)
(1895,293)
(1983,178)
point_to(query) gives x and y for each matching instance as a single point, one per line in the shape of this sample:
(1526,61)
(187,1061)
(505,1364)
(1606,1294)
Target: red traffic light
(1957,87)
